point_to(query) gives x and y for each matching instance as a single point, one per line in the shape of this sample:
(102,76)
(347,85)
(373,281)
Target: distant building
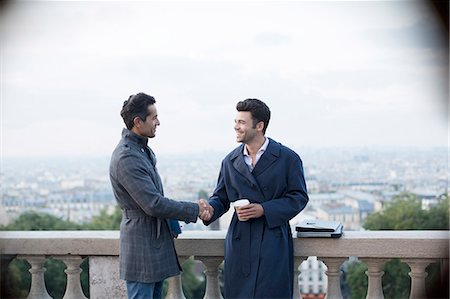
(4,218)
(312,280)
(318,199)
(313,184)
(346,214)
(366,202)
(427,197)
(225,220)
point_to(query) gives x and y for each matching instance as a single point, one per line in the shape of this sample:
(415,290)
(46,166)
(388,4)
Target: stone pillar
(417,275)
(333,273)
(297,262)
(73,289)
(212,276)
(375,273)
(37,290)
(104,280)
(175,287)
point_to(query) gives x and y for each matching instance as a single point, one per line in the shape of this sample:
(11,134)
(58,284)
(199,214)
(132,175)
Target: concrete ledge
(374,244)
(377,244)
(60,242)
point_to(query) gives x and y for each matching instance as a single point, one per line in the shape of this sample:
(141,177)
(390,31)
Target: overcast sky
(333,73)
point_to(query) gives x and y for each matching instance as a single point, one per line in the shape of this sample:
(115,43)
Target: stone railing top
(374,244)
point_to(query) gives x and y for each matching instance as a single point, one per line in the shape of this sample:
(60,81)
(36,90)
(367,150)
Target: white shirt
(248,159)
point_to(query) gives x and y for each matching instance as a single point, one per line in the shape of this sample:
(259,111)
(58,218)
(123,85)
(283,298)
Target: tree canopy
(39,221)
(405,212)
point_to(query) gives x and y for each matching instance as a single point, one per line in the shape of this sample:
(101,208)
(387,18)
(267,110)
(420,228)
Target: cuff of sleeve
(269,220)
(192,211)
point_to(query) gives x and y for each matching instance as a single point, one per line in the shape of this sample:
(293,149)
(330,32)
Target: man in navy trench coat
(259,252)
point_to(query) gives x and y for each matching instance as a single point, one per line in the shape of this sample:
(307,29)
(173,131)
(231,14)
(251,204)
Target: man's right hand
(206,211)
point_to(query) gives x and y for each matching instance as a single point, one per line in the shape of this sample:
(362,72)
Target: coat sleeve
(280,210)
(219,200)
(141,186)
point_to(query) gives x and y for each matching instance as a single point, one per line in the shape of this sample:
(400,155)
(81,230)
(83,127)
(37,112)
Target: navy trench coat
(259,252)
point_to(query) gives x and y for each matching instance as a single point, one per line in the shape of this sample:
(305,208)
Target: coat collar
(270,155)
(135,138)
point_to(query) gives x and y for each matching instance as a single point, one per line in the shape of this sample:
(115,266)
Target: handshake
(205,210)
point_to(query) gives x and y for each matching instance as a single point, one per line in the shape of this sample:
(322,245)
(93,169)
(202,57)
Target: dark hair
(136,106)
(258,110)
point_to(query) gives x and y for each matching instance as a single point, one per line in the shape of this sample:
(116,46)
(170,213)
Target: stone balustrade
(416,248)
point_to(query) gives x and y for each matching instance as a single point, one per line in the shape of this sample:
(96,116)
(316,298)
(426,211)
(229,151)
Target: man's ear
(137,121)
(260,126)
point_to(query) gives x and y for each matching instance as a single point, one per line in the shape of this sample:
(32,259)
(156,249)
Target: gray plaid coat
(147,252)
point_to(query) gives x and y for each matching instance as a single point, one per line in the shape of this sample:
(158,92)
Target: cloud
(425,33)
(334,73)
(271,39)
(68,137)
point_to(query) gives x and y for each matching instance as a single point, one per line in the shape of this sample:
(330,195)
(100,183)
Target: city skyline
(335,74)
(79,188)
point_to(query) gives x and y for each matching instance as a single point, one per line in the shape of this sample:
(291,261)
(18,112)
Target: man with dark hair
(147,252)
(258,248)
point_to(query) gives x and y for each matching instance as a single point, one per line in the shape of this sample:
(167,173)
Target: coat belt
(134,214)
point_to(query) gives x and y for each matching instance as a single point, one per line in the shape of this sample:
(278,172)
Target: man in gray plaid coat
(147,252)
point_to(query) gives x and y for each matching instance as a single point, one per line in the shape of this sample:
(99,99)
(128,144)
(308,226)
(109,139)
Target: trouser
(144,290)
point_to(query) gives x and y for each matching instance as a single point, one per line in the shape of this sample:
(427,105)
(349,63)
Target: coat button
(265,188)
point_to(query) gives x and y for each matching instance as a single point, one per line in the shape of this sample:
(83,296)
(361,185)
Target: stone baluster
(37,290)
(212,276)
(333,273)
(417,275)
(73,289)
(297,262)
(374,273)
(175,287)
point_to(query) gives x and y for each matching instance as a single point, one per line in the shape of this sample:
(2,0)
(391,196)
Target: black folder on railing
(319,229)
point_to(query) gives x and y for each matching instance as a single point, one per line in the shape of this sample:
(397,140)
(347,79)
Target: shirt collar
(261,150)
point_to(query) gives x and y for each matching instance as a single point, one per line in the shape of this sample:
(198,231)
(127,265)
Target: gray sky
(333,73)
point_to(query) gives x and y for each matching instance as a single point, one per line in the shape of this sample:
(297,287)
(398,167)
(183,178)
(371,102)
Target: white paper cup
(240,203)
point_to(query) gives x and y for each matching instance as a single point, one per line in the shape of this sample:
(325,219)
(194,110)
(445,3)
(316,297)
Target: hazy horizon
(334,150)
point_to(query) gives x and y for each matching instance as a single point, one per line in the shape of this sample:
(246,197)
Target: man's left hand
(253,210)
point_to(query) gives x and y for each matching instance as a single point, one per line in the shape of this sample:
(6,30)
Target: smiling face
(246,132)
(147,128)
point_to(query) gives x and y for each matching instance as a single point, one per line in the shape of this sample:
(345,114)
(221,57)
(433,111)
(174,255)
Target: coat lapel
(268,158)
(241,167)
